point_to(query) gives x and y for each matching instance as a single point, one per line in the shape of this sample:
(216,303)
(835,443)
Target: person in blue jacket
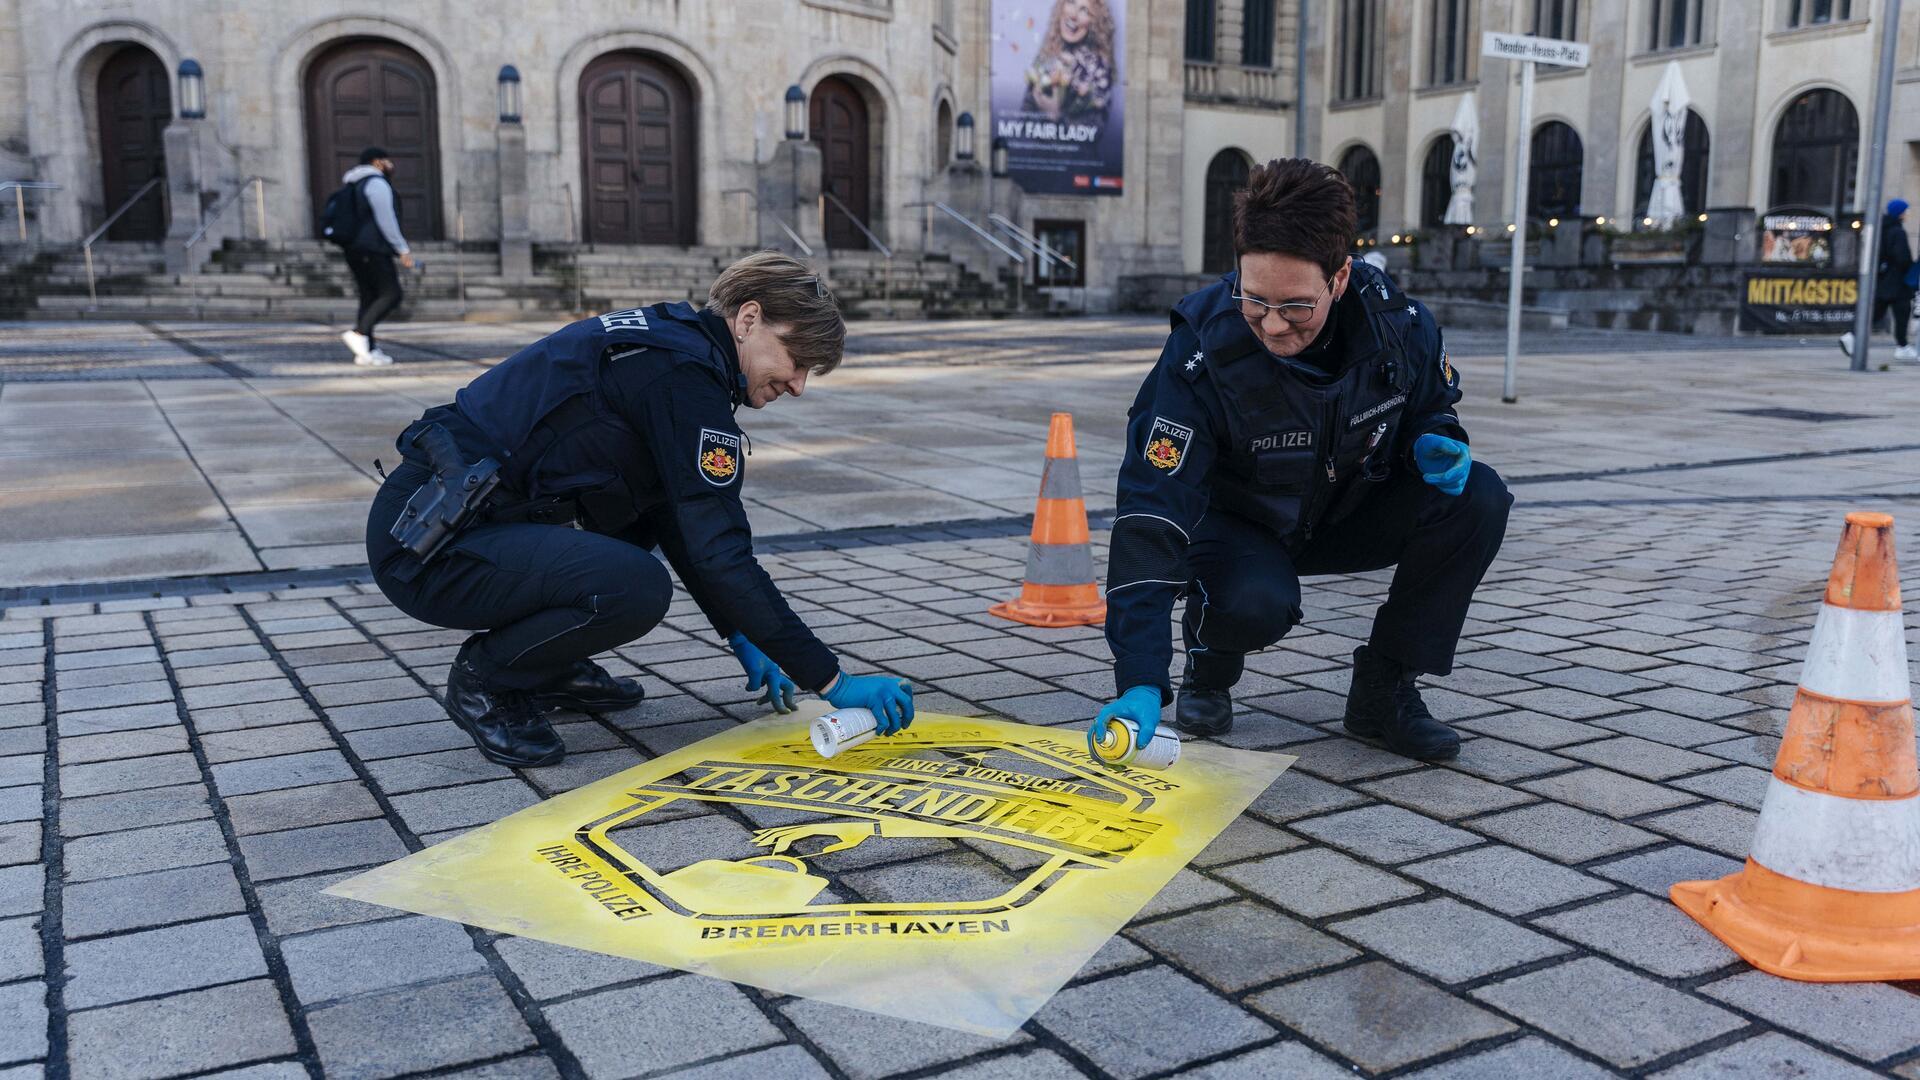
(616,436)
(1301,420)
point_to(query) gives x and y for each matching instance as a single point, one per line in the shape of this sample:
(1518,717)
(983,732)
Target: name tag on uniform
(1377,411)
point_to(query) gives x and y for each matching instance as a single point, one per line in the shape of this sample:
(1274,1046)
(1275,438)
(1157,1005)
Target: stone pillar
(1399,206)
(516,234)
(1498,143)
(1730,174)
(789,190)
(181,141)
(1606,78)
(1311,112)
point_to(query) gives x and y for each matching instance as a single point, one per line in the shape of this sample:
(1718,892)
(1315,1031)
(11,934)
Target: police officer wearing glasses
(1300,421)
(528,510)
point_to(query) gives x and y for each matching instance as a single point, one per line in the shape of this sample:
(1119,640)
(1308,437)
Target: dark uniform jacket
(627,420)
(1288,443)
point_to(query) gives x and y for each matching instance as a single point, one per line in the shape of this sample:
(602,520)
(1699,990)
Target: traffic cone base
(1054,605)
(1808,932)
(1059,589)
(1831,888)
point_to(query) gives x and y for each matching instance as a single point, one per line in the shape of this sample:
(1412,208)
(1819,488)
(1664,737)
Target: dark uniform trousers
(1245,591)
(542,597)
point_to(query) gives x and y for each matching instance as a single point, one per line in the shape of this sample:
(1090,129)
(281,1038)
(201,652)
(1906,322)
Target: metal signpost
(1528,51)
(1871,210)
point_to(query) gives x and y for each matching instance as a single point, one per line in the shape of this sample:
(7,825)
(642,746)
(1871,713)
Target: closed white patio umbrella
(1465,168)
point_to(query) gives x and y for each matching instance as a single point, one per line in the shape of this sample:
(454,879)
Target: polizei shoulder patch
(1167,444)
(718,457)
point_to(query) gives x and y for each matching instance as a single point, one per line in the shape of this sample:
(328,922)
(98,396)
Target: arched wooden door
(1227,173)
(376,93)
(839,124)
(637,151)
(135,106)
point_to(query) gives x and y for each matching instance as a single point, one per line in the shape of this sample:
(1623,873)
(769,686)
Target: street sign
(1537,49)
(1527,52)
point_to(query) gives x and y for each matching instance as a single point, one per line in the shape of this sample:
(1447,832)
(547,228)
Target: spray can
(842,729)
(1119,745)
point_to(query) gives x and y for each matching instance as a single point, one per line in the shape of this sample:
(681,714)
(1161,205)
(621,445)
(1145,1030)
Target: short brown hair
(1297,207)
(792,297)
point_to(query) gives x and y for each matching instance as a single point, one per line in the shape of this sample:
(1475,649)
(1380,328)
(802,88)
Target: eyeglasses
(1294,312)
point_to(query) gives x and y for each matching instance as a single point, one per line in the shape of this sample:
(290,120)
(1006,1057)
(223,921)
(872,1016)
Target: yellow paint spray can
(1119,744)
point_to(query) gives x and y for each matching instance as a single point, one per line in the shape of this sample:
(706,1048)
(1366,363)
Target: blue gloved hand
(1140,705)
(890,700)
(762,672)
(1443,462)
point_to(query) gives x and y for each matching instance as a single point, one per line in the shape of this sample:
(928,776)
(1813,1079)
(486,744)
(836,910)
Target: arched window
(1436,181)
(1693,168)
(1226,174)
(1451,43)
(1816,153)
(942,136)
(1362,170)
(1553,169)
(1358,76)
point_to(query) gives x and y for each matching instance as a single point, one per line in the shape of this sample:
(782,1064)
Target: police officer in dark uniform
(613,436)
(1300,421)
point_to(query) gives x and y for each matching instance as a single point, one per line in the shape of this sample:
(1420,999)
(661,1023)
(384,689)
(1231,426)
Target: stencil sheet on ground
(956,874)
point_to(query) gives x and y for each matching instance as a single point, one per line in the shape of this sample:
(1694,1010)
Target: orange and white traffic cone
(1059,589)
(1831,889)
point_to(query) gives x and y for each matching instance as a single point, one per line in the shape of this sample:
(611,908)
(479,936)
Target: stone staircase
(308,280)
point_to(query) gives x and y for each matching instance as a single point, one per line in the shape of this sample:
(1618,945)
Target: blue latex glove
(1140,705)
(1443,462)
(763,673)
(890,700)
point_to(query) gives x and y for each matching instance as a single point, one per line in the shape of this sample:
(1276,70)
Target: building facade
(648,123)
(1782,93)
(664,124)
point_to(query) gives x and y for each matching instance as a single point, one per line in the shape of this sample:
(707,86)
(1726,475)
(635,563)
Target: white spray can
(842,729)
(1119,744)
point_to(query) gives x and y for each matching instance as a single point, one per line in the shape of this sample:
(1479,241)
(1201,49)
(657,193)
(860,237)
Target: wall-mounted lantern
(796,113)
(963,146)
(1000,157)
(193,91)
(509,94)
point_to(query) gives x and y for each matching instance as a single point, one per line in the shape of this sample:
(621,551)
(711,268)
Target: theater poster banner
(1058,101)
(1798,301)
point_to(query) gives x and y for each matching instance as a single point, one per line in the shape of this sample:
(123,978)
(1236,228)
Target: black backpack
(344,214)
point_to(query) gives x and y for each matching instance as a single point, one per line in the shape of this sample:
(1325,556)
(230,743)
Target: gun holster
(450,499)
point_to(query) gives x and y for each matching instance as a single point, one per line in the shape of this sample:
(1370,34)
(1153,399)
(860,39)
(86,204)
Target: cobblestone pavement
(184,766)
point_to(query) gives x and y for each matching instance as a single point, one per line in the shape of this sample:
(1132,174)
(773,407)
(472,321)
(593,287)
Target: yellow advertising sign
(956,874)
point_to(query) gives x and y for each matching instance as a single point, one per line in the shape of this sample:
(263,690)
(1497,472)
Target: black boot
(1383,703)
(1198,710)
(588,687)
(504,724)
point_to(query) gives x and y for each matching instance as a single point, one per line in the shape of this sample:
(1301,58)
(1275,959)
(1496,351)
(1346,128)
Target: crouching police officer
(527,509)
(1300,421)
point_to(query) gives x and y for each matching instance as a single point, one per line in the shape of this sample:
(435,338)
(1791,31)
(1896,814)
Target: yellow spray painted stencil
(748,857)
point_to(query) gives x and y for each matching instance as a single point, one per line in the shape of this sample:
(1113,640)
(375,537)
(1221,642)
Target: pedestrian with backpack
(363,217)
